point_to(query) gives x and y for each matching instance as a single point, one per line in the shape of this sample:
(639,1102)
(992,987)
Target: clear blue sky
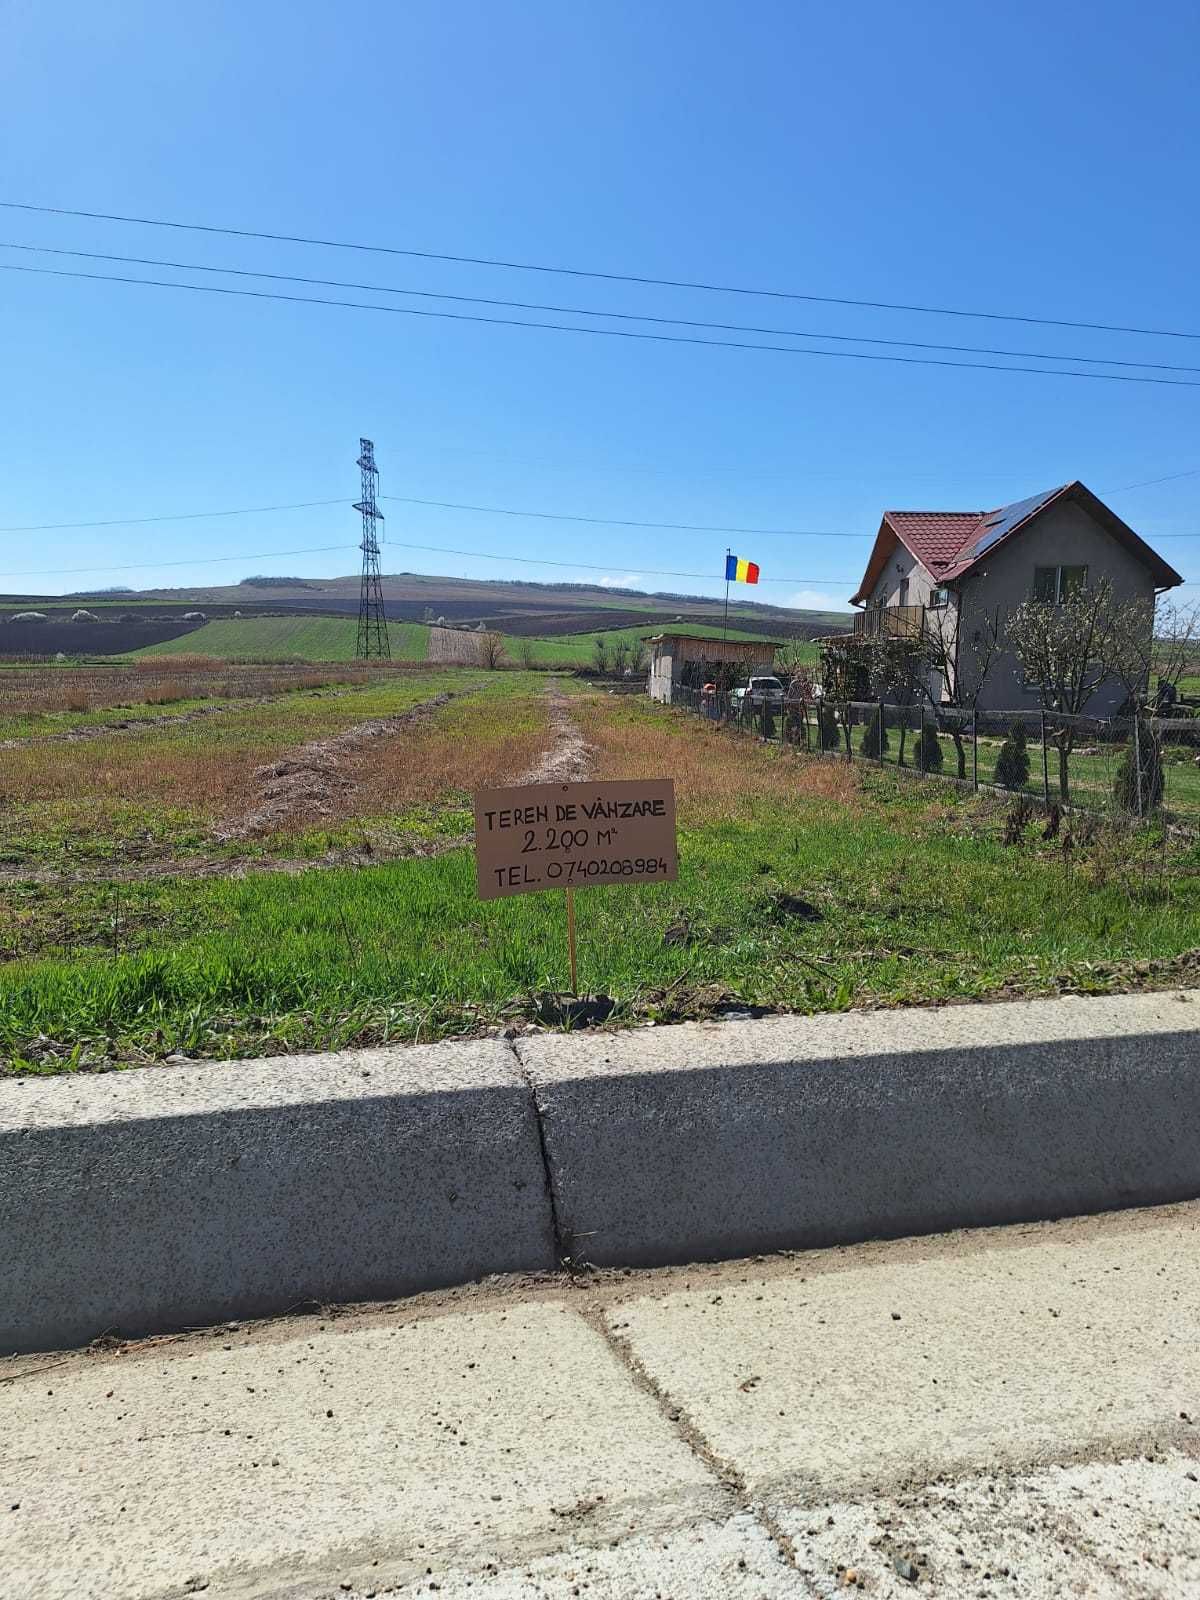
(1024,158)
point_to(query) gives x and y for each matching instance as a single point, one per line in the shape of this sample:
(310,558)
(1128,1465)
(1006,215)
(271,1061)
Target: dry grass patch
(467,746)
(719,774)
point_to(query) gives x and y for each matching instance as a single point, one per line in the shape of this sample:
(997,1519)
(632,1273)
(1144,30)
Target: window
(1055,585)
(939,598)
(903,597)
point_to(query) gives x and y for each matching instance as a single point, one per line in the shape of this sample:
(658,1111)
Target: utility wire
(588,311)
(625,522)
(580,272)
(186,561)
(177,516)
(436,549)
(603,333)
(497,511)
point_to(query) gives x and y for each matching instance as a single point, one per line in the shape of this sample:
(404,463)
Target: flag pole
(725,624)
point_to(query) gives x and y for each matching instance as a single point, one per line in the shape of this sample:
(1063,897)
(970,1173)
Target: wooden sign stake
(571,940)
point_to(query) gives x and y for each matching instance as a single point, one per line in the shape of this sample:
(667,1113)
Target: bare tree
(1175,644)
(620,655)
(491,650)
(955,667)
(600,651)
(526,651)
(1069,650)
(639,659)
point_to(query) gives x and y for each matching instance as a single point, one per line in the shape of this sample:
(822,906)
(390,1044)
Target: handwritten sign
(574,836)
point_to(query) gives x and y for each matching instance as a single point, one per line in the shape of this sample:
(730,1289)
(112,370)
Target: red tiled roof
(949,543)
(936,538)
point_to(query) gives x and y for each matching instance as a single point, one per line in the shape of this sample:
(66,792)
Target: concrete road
(1002,1412)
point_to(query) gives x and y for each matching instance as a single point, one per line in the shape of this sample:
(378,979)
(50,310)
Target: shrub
(875,736)
(927,755)
(1012,764)
(1126,786)
(828,724)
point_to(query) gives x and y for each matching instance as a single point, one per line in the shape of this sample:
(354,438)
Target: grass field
(289,639)
(805,884)
(333,639)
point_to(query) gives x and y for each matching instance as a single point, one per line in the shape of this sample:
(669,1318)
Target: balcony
(890,622)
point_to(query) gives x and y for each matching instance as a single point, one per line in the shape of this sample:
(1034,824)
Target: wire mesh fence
(1129,766)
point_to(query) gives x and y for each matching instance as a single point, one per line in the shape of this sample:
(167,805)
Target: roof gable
(951,544)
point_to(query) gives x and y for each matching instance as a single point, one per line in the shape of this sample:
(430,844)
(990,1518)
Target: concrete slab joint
(153,1200)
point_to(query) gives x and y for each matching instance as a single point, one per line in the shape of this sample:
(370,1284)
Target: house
(691,660)
(952,573)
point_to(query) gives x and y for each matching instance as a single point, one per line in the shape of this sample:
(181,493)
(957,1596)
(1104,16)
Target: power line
(603,333)
(625,522)
(186,561)
(175,516)
(498,511)
(1192,472)
(435,549)
(580,272)
(588,311)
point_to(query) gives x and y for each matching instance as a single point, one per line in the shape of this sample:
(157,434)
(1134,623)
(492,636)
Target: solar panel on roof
(1003,521)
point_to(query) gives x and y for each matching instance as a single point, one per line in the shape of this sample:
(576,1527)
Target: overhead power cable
(602,333)
(175,516)
(589,311)
(496,511)
(185,561)
(581,272)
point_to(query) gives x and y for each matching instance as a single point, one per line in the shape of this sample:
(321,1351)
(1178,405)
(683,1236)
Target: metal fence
(1132,766)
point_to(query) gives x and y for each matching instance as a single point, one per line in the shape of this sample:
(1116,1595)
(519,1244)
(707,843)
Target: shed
(691,660)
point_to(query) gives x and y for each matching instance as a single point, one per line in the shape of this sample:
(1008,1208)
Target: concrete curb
(714,1140)
(154,1200)
(159,1199)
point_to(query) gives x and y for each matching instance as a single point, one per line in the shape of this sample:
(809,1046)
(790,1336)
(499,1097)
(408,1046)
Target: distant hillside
(540,611)
(334,639)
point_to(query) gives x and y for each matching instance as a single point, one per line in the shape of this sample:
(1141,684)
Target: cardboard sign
(574,836)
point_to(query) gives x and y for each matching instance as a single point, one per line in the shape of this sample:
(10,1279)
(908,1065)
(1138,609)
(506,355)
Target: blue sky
(1032,159)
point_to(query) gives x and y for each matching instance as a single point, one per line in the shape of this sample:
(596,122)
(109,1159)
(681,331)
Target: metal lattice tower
(373,640)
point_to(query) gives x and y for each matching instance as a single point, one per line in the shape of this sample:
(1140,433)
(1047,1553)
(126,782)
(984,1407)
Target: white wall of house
(1065,535)
(901,566)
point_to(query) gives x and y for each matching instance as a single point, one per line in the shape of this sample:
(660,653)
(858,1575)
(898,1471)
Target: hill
(333,639)
(542,612)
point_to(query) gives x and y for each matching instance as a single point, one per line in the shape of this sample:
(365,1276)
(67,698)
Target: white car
(758,692)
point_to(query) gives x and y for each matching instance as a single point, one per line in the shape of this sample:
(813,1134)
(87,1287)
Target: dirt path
(311,781)
(569,757)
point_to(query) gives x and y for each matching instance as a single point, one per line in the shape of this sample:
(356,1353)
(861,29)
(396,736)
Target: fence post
(1137,759)
(975,747)
(1045,764)
(881,733)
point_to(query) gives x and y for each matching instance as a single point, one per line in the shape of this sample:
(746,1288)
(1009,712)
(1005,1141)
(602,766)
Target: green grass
(334,639)
(289,639)
(907,909)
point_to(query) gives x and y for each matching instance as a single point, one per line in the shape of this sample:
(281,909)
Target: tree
(1012,764)
(639,660)
(928,754)
(1138,786)
(1069,650)
(600,651)
(1175,641)
(620,656)
(961,664)
(526,651)
(875,740)
(491,650)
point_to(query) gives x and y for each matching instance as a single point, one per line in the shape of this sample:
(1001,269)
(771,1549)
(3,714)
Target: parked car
(758,692)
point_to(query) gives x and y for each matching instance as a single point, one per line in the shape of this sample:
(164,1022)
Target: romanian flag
(739,571)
